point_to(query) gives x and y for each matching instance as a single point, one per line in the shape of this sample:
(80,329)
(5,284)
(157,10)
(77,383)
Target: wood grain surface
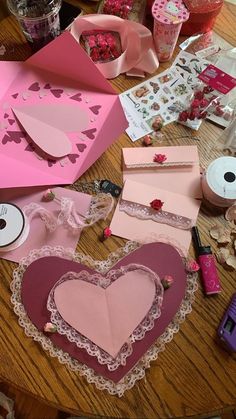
(194,376)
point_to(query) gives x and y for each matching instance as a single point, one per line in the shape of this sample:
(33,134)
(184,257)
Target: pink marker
(206,259)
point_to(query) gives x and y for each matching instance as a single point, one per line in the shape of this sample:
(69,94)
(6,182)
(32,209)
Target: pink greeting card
(57,116)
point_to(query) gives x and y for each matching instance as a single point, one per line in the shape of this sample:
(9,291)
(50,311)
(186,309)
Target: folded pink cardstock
(39,235)
(57,116)
(180,173)
(107,316)
(149,230)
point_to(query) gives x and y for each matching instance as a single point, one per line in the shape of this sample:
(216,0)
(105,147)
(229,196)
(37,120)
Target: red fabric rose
(156,204)
(159,158)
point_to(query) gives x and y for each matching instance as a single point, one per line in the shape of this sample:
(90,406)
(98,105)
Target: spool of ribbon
(139,54)
(219,182)
(14,227)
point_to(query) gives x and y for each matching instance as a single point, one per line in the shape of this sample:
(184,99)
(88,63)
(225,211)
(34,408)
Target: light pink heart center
(107,316)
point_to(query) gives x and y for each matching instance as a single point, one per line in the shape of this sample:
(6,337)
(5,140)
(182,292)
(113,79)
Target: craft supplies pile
(58,115)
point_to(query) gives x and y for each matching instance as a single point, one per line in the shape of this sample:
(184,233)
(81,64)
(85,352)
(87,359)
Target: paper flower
(156,204)
(159,158)
(167,281)
(105,234)
(50,328)
(147,140)
(192,266)
(48,195)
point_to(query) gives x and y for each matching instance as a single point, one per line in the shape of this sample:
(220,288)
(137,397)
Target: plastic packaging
(102,46)
(126,9)
(227,141)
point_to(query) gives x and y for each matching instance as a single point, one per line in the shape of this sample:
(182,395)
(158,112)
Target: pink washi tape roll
(219,182)
(168,19)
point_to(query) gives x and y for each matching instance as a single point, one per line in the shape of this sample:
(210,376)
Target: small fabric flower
(105,234)
(183,116)
(159,158)
(192,266)
(147,140)
(167,281)
(48,195)
(50,328)
(156,204)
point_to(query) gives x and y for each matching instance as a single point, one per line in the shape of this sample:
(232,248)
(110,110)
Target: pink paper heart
(105,319)
(90,133)
(34,87)
(43,273)
(95,109)
(81,147)
(57,92)
(77,97)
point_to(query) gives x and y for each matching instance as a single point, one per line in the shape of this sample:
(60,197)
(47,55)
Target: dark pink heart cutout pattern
(90,133)
(30,147)
(51,162)
(47,86)
(73,158)
(34,87)
(81,147)
(57,92)
(76,97)
(95,109)
(11,121)
(6,139)
(16,136)
(15,95)
(46,271)
(6,115)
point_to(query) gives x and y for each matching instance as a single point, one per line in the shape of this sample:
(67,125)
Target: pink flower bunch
(159,158)
(103,46)
(192,266)
(167,281)
(119,8)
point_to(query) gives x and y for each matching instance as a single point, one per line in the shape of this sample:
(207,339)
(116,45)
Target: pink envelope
(39,236)
(180,173)
(134,218)
(57,116)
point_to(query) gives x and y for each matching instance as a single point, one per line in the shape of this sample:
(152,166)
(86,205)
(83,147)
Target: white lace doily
(81,341)
(138,371)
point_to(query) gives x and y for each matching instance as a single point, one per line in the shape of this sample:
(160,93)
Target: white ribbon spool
(14,227)
(219,182)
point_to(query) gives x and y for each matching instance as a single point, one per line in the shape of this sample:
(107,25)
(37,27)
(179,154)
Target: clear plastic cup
(39,20)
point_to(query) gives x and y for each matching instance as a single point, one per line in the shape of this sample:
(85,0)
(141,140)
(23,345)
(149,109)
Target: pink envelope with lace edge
(180,172)
(89,117)
(134,218)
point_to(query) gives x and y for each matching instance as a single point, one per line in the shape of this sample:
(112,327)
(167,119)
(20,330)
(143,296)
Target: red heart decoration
(95,109)
(73,157)
(57,92)
(90,133)
(47,86)
(81,147)
(34,87)
(77,97)
(45,272)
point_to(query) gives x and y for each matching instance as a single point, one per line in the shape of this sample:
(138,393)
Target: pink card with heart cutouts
(57,116)
(111,320)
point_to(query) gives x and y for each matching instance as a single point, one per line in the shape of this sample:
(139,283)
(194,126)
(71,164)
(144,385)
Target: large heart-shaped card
(127,294)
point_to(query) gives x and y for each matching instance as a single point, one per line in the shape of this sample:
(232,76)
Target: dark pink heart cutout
(77,97)
(57,92)
(11,121)
(30,147)
(6,115)
(16,136)
(95,109)
(81,147)
(6,139)
(73,158)
(34,87)
(15,95)
(47,86)
(51,162)
(46,271)
(90,133)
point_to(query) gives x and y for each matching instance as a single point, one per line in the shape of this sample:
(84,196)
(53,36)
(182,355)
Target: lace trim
(144,213)
(81,341)
(31,210)
(155,165)
(138,372)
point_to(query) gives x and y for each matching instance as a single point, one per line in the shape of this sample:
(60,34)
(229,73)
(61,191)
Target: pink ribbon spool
(138,54)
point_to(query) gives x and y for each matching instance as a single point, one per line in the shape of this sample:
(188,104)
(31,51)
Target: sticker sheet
(189,66)
(150,102)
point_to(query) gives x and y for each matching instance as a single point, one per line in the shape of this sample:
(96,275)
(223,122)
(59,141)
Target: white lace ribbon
(144,213)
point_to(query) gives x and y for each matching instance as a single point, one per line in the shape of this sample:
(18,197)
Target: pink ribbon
(138,54)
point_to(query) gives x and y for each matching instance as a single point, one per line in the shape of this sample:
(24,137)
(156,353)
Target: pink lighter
(206,259)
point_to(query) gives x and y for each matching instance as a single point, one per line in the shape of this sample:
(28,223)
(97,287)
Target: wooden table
(194,375)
